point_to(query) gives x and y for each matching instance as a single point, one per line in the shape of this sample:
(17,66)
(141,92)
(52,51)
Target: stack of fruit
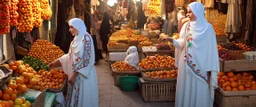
(45,51)
(26,19)
(37,13)
(46,12)
(13,12)
(122,66)
(4,17)
(232,51)
(236,82)
(40,80)
(50,80)
(145,43)
(157,62)
(162,74)
(115,45)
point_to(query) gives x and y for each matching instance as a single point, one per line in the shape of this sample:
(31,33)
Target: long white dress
(198,57)
(81,58)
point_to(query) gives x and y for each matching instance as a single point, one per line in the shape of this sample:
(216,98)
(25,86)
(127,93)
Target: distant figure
(142,19)
(104,33)
(180,16)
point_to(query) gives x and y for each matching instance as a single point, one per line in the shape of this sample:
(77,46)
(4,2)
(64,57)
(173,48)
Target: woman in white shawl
(198,62)
(78,64)
(132,57)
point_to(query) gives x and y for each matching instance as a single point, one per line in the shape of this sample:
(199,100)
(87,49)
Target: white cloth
(132,57)
(81,58)
(199,54)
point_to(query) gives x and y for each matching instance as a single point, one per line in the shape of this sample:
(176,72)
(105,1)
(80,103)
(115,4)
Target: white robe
(84,92)
(198,56)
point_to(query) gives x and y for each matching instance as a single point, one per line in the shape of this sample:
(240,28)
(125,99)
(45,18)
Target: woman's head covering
(79,25)
(198,10)
(132,57)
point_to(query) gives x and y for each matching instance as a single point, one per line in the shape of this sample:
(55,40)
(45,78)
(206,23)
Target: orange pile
(236,82)
(46,12)
(45,51)
(53,79)
(25,20)
(4,17)
(13,13)
(163,74)
(37,13)
(122,66)
(155,62)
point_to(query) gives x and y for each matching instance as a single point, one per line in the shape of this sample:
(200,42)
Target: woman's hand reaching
(54,64)
(165,39)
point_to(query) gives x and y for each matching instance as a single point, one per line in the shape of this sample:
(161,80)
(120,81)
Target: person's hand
(73,78)
(165,39)
(51,65)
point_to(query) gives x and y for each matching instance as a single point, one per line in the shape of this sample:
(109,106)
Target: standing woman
(198,62)
(78,64)
(104,32)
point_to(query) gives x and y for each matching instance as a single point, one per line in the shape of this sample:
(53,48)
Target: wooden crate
(235,98)
(157,91)
(237,65)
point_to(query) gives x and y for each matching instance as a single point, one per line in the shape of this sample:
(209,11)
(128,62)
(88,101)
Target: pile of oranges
(162,74)
(157,61)
(236,82)
(53,79)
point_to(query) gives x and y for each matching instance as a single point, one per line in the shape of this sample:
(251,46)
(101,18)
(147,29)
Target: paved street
(111,95)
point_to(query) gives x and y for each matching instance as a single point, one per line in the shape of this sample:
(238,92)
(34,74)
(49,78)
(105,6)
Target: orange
(23,99)
(11,63)
(230,74)
(13,97)
(247,84)
(53,71)
(232,79)
(8,90)
(224,77)
(23,88)
(221,74)
(19,80)
(6,97)
(240,87)
(253,87)
(228,88)
(233,84)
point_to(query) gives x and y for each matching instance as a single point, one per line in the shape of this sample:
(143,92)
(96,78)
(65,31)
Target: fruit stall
(237,77)
(25,81)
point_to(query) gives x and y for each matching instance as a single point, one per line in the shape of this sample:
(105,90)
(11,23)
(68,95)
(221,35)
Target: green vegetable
(35,63)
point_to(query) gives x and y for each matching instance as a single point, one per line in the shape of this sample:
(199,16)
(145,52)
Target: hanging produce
(45,51)
(46,12)
(25,20)
(4,17)
(13,13)
(37,13)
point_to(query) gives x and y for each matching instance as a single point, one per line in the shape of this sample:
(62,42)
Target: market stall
(31,78)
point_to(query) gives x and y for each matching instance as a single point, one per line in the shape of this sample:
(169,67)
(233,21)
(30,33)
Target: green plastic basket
(128,83)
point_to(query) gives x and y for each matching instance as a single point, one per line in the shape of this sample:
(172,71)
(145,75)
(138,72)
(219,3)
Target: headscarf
(79,25)
(198,26)
(132,57)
